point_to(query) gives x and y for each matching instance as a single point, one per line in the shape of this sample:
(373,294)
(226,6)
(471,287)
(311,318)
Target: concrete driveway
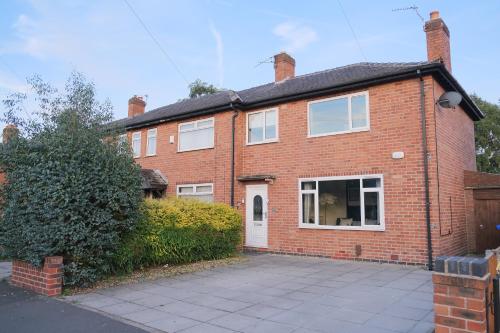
(275,293)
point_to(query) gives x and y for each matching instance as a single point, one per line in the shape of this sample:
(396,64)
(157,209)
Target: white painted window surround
(343,202)
(151,142)
(195,135)
(338,115)
(202,192)
(262,126)
(136,144)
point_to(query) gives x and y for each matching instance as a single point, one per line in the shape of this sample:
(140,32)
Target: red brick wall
(46,280)
(394,126)
(455,152)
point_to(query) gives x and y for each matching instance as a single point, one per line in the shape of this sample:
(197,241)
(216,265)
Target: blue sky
(222,41)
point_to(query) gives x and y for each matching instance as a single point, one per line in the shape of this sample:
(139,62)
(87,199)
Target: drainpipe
(233,132)
(426,171)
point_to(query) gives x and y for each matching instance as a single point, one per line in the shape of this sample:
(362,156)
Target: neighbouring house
(339,163)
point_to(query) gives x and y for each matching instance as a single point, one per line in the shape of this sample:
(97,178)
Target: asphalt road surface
(22,311)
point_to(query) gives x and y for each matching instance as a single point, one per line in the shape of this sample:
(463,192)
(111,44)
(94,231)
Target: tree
(70,189)
(487,133)
(199,88)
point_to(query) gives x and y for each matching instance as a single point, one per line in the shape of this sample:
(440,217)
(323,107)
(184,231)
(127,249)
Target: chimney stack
(284,67)
(136,106)
(9,132)
(438,40)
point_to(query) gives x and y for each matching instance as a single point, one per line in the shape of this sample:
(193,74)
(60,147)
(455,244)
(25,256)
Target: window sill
(153,155)
(262,142)
(340,227)
(338,133)
(195,149)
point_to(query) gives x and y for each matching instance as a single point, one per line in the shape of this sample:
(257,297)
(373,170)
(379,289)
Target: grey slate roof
(153,179)
(302,84)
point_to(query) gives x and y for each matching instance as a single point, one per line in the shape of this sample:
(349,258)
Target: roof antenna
(268,60)
(414,8)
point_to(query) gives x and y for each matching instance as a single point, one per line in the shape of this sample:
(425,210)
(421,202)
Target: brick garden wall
(46,280)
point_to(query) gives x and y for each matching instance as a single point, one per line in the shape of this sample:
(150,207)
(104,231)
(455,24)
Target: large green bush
(174,231)
(70,190)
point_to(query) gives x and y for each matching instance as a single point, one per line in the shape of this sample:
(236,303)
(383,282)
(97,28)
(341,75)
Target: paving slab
(278,293)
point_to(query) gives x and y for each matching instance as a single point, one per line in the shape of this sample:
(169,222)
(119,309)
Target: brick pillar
(46,280)
(462,294)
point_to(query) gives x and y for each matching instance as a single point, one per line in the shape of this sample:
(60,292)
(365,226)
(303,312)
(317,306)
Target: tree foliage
(487,133)
(199,88)
(70,189)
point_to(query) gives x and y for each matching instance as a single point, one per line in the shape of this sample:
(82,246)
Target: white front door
(256,216)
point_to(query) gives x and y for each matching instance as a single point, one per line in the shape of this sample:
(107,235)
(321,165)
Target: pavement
(5,269)
(22,311)
(279,294)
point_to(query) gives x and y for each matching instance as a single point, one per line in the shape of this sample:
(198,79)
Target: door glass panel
(257,208)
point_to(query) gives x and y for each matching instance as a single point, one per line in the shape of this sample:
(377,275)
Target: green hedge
(175,231)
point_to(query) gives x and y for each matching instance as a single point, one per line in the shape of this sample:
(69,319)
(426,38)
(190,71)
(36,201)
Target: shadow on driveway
(24,311)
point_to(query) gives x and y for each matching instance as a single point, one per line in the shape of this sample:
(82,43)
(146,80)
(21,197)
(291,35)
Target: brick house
(337,163)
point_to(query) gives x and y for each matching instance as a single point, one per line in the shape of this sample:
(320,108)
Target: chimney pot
(9,132)
(435,15)
(438,40)
(136,106)
(284,67)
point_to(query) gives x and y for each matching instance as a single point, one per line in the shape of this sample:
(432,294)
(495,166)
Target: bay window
(346,202)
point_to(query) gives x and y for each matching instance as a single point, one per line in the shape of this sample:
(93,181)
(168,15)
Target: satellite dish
(449,99)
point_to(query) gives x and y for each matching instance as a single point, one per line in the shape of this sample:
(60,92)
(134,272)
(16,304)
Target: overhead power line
(352,30)
(172,62)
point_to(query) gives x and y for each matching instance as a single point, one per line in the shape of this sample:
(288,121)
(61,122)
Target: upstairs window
(262,126)
(136,144)
(337,115)
(151,142)
(122,143)
(202,192)
(196,135)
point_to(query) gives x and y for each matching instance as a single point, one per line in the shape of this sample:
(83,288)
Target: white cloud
(296,36)
(220,53)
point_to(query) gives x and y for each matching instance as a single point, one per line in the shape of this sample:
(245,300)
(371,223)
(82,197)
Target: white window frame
(363,226)
(134,138)
(194,129)
(195,193)
(152,132)
(264,140)
(351,129)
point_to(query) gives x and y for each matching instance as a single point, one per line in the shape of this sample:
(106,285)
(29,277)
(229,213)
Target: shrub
(70,191)
(175,231)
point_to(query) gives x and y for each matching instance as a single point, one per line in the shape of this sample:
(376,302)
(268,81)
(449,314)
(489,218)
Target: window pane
(372,213)
(255,127)
(257,208)
(329,116)
(358,111)
(186,127)
(270,125)
(205,123)
(136,145)
(308,185)
(197,139)
(205,198)
(151,145)
(308,208)
(371,182)
(204,189)
(338,204)
(186,189)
